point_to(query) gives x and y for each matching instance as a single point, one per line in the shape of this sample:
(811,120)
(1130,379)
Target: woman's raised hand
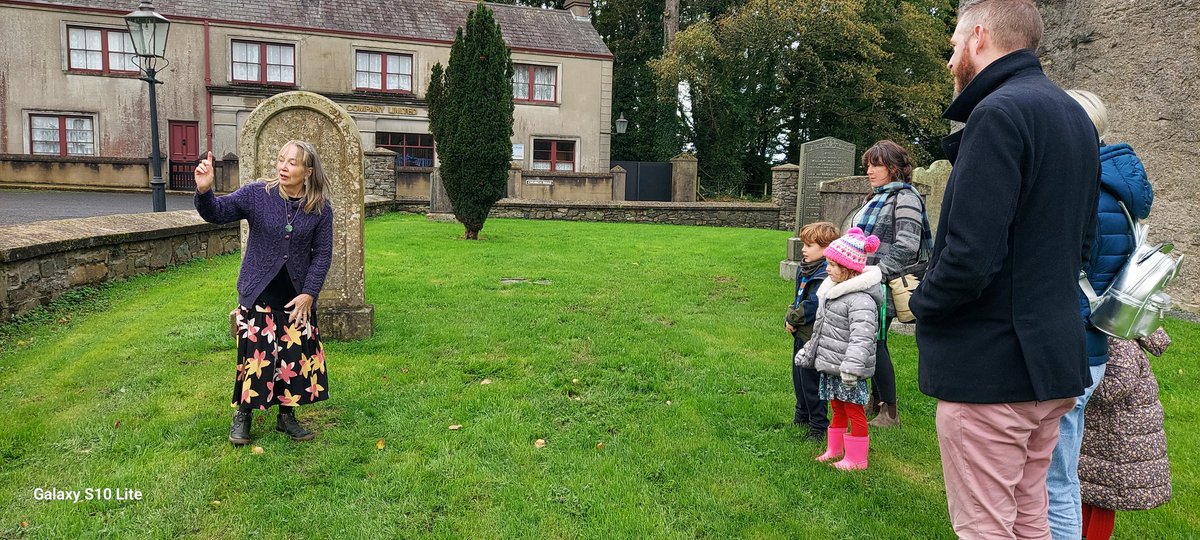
(204,174)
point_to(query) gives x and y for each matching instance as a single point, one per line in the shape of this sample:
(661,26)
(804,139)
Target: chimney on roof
(579,8)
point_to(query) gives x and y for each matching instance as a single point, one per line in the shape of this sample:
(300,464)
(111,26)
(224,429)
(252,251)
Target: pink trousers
(994,459)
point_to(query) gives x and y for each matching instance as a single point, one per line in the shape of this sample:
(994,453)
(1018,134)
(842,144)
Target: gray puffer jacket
(846,326)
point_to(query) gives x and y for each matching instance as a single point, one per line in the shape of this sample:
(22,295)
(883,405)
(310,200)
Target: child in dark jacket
(810,408)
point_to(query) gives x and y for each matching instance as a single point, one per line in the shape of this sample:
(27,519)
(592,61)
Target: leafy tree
(764,76)
(471,116)
(633,31)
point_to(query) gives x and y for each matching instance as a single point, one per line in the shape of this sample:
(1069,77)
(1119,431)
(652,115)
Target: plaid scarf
(875,207)
(876,204)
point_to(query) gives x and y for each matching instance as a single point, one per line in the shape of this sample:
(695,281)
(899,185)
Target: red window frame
(383,73)
(403,145)
(531,88)
(554,161)
(104,52)
(62,134)
(262,63)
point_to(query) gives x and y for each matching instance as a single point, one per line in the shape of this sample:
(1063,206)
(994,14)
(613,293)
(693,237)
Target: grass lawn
(664,343)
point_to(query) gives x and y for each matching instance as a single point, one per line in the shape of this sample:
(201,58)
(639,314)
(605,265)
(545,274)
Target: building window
(383,72)
(412,149)
(61,135)
(552,155)
(266,63)
(100,50)
(535,83)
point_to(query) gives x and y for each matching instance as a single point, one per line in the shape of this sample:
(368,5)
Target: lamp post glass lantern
(148,30)
(622,124)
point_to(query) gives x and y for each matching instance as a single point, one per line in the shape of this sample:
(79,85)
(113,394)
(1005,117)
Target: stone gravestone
(820,160)
(342,310)
(935,176)
(440,207)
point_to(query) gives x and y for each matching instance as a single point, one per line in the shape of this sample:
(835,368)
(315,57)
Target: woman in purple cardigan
(280,357)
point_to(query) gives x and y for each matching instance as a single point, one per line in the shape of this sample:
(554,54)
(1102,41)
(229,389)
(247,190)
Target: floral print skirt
(831,387)
(278,363)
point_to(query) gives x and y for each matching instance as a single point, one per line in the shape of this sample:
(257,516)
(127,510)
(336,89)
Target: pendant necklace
(290,214)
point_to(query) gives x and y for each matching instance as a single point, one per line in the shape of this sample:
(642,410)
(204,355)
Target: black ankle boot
(286,422)
(239,430)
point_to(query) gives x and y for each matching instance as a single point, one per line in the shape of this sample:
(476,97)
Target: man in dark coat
(1001,341)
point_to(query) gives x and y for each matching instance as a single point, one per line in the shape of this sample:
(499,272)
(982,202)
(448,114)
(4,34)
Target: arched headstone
(343,312)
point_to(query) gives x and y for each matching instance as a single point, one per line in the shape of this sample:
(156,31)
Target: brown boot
(887,417)
(873,403)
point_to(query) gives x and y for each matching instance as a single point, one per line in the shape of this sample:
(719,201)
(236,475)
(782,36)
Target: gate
(646,180)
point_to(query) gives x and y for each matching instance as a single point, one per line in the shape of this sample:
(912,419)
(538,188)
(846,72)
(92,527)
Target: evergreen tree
(471,117)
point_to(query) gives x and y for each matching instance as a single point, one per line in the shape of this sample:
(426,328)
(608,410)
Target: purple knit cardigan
(307,250)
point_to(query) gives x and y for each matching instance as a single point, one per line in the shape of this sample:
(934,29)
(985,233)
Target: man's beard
(964,73)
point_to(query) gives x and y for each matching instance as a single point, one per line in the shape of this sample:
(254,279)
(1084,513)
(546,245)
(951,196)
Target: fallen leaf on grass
(404,370)
(668,402)
(540,443)
(24,524)
(258,450)
(117,425)
(379,444)
(574,381)
(486,381)
(216,502)
(600,446)
(455,427)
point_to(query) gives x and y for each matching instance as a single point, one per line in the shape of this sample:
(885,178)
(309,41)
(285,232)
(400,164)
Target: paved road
(24,206)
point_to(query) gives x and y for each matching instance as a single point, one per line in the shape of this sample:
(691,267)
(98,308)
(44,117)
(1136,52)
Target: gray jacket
(846,326)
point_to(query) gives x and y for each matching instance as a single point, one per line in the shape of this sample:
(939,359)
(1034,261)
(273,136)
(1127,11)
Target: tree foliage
(764,76)
(633,31)
(471,117)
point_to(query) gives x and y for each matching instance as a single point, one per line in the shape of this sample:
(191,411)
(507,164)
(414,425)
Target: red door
(185,153)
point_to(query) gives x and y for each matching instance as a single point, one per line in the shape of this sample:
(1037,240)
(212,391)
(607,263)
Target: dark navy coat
(1122,178)
(998,311)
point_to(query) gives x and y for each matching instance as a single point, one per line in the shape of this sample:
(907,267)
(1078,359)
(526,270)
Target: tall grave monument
(342,310)
(820,160)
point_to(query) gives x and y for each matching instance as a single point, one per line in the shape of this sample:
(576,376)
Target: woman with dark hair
(288,252)
(895,213)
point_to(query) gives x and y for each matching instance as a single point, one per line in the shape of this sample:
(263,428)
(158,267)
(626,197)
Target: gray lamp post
(149,32)
(622,124)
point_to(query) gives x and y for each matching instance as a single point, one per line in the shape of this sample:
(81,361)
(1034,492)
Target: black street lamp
(149,32)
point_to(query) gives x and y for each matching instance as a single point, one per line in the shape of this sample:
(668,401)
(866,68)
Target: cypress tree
(471,117)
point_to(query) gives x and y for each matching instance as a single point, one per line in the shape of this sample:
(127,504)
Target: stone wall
(749,215)
(89,171)
(379,172)
(40,261)
(1141,59)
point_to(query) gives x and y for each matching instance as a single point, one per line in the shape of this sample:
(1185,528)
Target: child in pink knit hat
(842,347)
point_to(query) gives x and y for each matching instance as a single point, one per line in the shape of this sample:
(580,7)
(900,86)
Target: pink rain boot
(833,444)
(856,453)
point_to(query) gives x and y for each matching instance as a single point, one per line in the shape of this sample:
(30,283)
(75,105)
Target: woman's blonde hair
(1095,110)
(316,186)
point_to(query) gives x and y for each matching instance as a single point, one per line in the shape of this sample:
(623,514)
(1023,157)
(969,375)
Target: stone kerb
(334,133)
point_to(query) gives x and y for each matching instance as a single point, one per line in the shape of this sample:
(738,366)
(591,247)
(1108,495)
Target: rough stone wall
(379,173)
(41,261)
(1142,59)
(747,215)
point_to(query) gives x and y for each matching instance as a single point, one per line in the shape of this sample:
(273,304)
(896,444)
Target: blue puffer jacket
(1122,178)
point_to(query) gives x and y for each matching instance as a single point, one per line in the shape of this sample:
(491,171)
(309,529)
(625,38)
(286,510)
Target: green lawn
(664,343)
